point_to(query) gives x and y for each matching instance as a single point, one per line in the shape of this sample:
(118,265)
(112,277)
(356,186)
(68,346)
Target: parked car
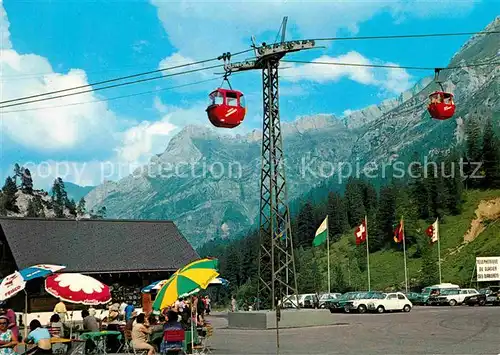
(360,302)
(434,290)
(452,297)
(414,297)
(306,300)
(395,301)
(309,300)
(327,297)
(338,304)
(490,295)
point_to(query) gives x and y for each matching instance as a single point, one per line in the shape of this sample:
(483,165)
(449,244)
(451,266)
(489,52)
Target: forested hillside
(446,187)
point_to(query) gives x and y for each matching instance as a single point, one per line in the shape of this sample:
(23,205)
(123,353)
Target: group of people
(184,313)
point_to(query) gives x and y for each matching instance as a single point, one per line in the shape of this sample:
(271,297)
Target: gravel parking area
(425,330)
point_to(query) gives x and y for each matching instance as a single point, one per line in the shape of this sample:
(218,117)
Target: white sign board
(488,268)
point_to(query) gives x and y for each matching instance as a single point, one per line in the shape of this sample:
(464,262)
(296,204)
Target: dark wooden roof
(95,246)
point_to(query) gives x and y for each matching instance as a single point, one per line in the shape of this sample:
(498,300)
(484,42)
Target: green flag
(321,233)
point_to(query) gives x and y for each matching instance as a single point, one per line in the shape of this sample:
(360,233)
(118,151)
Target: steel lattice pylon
(277,276)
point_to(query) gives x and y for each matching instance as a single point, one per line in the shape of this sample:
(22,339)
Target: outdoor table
(99,338)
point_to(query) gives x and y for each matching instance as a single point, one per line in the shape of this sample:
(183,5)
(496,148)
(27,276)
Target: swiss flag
(433,231)
(399,232)
(360,233)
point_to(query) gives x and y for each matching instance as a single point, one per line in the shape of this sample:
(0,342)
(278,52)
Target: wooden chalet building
(125,254)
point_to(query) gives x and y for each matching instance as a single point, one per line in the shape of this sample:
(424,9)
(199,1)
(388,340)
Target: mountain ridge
(207,205)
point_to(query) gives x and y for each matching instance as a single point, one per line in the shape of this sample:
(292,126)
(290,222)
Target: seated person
(171,324)
(140,333)
(40,337)
(57,327)
(89,322)
(154,325)
(8,338)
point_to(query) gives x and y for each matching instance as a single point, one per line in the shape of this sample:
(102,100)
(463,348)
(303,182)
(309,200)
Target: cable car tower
(277,276)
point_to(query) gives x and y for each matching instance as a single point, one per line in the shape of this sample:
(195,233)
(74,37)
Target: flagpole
(404,254)
(439,248)
(367,254)
(328,251)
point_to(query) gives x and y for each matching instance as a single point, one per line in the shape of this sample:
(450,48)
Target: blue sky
(50,45)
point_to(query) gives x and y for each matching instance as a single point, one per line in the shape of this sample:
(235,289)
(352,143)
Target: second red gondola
(441,105)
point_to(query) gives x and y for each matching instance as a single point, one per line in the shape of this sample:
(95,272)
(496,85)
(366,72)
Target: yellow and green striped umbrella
(196,275)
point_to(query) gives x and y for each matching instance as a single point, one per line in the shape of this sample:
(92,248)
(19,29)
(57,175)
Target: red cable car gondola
(441,105)
(227,107)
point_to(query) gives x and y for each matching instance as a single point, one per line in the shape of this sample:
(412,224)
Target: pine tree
(31,211)
(306,226)
(17,173)
(474,151)
(81,209)
(436,192)
(3,210)
(232,265)
(38,206)
(370,199)
(9,195)
(71,205)
(491,157)
(418,188)
(338,284)
(453,184)
(430,269)
(58,202)
(354,200)
(385,220)
(27,182)
(337,216)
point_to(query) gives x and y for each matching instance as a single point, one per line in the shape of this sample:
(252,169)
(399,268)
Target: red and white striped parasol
(78,288)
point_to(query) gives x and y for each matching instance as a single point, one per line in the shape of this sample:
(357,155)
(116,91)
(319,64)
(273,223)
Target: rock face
(208,183)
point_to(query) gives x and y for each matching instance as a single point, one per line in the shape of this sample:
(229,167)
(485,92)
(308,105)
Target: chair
(174,336)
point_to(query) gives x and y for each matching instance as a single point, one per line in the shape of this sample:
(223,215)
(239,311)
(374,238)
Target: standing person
(60,309)
(8,340)
(233,304)
(128,311)
(11,316)
(207,303)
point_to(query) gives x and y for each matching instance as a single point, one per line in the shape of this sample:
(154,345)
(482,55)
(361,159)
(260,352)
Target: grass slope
(387,267)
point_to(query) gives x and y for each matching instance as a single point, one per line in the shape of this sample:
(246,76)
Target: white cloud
(323,73)
(177,59)
(347,112)
(390,80)
(141,141)
(61,128)
(4,29)
(215,27)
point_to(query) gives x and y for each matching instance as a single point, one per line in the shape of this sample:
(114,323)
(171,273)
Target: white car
(395,301)
(360,301)
(452,297)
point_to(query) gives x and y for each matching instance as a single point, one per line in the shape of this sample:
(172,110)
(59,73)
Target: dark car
(490,295)
(338,305)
